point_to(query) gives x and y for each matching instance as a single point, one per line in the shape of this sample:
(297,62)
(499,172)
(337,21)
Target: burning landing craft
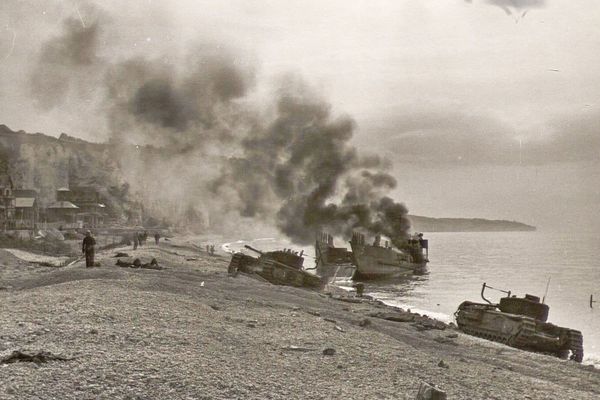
(520,323)
(372,261)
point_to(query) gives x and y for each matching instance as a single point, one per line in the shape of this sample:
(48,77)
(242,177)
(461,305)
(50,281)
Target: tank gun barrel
(253,249)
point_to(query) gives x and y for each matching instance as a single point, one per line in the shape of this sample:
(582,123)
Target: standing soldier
(87,248)
(135,240)
(156,237)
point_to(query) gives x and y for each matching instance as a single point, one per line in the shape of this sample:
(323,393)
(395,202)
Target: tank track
(523,339)
(575,345)
(487,334)
(235,264)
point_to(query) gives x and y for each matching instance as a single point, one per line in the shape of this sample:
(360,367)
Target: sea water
(522,262)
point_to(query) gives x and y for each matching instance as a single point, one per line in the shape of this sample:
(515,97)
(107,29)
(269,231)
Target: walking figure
(136,240)
(87,248)
(212,249)
(156,237)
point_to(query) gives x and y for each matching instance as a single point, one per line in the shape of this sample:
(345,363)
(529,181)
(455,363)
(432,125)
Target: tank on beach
(281,267)
(379,261)
(520,323)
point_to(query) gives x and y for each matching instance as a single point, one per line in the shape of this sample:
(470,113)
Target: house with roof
(62,211)
(26,208)
(90,209)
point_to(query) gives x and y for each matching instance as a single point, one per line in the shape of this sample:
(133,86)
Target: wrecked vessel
(281,267)
(521,323)
(332,261)
(381,262)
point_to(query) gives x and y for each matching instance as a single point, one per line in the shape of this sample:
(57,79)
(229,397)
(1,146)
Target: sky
(486,108)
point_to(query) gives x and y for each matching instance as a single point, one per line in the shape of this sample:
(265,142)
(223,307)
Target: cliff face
(426,224)
(44,163)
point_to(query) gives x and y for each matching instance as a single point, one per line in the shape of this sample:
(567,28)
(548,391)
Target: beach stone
(442,364)
(329,351)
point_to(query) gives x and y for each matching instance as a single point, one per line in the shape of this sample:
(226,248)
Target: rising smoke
(511,7)
(290,163)
(65,63)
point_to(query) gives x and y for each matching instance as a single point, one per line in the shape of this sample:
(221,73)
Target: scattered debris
(338,328)
(396,317)
(330,320)
(329,351)
(445,340)
(93,331)
(364,322)
(421,322)
(426,323)
(191,259)
(452,335)
(315,313)
(297,348)
(430,392)
(38,358)
(443,364)
(215,307)
(120,254)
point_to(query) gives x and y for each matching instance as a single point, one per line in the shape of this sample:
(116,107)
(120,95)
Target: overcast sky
(487,108)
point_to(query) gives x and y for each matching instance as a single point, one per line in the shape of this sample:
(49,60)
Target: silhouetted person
(207,248)
(136,240)
(212,250)
(87,248)
(157,237)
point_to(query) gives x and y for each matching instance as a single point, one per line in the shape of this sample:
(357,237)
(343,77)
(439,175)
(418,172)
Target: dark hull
(375,262)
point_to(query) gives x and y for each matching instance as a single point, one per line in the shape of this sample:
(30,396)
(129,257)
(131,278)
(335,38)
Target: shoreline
(191,331)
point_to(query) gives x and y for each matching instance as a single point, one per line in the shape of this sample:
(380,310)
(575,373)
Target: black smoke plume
(511,7)
(289,163)
(64,61)
(302,168)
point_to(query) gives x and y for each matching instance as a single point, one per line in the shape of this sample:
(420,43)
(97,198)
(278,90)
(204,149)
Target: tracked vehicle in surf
(521,323)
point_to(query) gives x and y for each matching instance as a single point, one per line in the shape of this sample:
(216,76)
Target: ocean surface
(522,262)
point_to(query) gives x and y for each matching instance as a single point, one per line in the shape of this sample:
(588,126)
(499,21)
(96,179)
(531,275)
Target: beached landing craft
(374,261)
(379,261)
(521,323)
(332,261)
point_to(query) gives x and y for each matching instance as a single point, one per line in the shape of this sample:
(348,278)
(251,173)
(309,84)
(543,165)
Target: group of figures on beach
(139,238)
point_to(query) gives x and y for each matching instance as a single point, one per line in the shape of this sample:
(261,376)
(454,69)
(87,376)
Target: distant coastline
(428,224)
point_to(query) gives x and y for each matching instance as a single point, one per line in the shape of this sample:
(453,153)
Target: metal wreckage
(521,323)
(514,321)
